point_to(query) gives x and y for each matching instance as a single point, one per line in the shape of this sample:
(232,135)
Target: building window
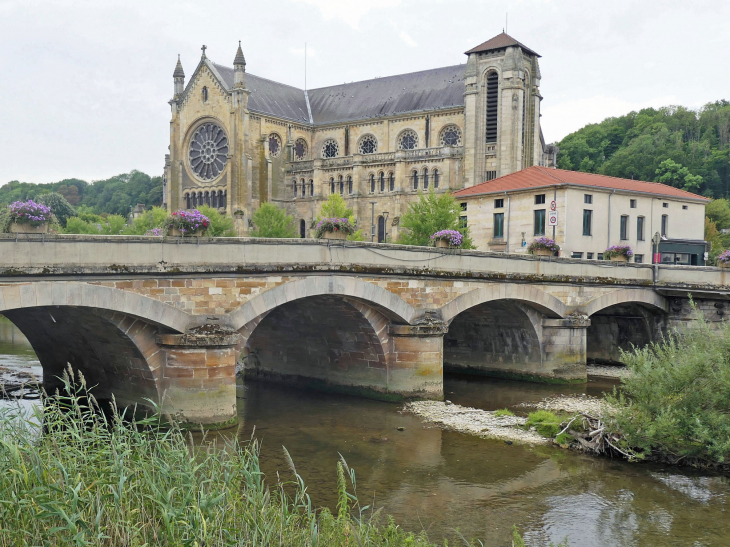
(640,228)
(382,181)
(302,228)
(539,199)
(665,225)
(330,149)
(332,185)
(300,149)
(463,222)
(499,203)
(540,222)
(274,145)
(575,254)
(589,256)
(588,198)
(425,179)
(408,140)
(391,181)
(349,184)
(311,187)
(685,207)
(372,183)
(187,201)
(498,225)
(600,256)
(665,205)
(639,259)
(624,227)
(295,187)
(342,185)
(463,205)
(368,145)
(304,188)
(415,180)
(490,175)
(435,178)
(492,107)
(451,136)
(632,203)
(381,229)
(587,222)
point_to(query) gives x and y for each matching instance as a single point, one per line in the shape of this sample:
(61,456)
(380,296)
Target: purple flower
(454,237)
(543,243)
(188,221)
(724,257)
(30,212)
(617,250)
(334,225)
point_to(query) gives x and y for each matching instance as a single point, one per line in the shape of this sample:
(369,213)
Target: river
(439,481)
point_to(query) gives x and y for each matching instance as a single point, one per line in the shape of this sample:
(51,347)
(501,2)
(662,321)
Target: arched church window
(208,151)
(304,188)
(295,187)
(187,201)
(368,145)
(425,179)
(391,181)
(372,183)
(435,178)
(408,140)
(224,202)
(302,228)
(330,149)
(300,149)
(332,185)
(349,184)
(451,136)
(214,199)
(274,145)
(205,94)
(221,199)
(342,185)
(414,175)
(311,187)
(381,176)
(492,106)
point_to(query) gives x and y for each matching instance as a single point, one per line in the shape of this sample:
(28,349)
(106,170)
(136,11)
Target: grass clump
(83,479)
(546,423)
(503,412)
(675,404)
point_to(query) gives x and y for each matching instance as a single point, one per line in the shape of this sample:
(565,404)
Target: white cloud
(403,35)
(347,10)
(299,51)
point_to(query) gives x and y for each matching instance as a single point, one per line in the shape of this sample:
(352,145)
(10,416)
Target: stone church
(238,140)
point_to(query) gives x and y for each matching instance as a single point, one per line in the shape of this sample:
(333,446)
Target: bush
(546,423)
(111,225)
(220,224)
(430,214)
(60,208)
(272,221)
(335,207)
(503,412)
(151,219)
(676,401)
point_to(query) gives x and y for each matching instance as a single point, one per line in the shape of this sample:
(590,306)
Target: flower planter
(619,258)
(334,235)
(26,228)
(177,233)
(543,252)
(442,243)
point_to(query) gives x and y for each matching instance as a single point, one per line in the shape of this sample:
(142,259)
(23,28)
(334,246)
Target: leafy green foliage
(718,211)
(116,195)
(336,207)
(108,226)
(220,225)
(503,412)
(430,214)
(546,423)
(639,144)
(272,221)
(676,401)
(150,219)
(60,208)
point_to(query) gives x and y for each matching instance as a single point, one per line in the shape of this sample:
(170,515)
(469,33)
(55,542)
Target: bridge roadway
(169,319)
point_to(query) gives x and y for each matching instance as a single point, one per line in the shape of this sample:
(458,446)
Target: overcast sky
(84,84)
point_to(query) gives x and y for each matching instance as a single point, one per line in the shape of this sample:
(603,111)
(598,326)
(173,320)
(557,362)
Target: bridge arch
(524,294)
(387,303)
(645,297)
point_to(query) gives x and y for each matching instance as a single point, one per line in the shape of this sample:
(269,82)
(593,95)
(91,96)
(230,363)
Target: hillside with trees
(114,196)
(688,149)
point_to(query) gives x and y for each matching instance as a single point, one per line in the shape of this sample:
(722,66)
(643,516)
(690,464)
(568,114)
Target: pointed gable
(501,41)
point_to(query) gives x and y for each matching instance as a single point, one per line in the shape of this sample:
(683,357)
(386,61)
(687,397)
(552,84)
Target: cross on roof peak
(203,49)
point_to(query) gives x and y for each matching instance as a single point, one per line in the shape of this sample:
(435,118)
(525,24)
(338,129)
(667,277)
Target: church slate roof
(426,90)
(501,41)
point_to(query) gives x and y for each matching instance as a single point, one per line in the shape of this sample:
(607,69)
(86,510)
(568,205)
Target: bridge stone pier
(169,320)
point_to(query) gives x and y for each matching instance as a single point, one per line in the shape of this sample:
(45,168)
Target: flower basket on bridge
(29,217)
(543,246)
(187,223)
(618,253)
(334,228)
(723,259)
(447,238)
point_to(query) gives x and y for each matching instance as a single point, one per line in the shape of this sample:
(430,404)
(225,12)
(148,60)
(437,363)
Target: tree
(220,225)
(713,236)
(336,207)
(60,208)
(718,211)
(430,214)
(673,174)
(271,221)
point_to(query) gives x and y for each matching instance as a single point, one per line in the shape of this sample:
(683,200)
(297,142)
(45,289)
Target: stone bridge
(168,319)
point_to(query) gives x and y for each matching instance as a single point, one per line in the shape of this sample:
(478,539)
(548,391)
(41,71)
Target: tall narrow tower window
(492,106)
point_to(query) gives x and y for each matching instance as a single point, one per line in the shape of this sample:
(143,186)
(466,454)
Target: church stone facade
(238,140)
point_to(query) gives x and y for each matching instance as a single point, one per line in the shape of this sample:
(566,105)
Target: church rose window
(408,140)
(368,145)
(300,149)
(330,149)
(274,145)
(451,136)
(208,151)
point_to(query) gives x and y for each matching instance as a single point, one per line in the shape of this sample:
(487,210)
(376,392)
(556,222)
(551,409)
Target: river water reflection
(437,480)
